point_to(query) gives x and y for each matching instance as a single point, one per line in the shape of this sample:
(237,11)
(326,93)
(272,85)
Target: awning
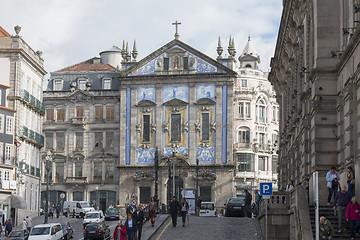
(17,202)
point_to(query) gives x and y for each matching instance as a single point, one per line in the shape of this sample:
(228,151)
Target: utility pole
(156,161)
(169,184)
(47,167)
(197,181)
(173,177)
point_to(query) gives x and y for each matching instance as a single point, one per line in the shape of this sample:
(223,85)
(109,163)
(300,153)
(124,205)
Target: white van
(81,207)
(93,217)
(207,209)
(51,231)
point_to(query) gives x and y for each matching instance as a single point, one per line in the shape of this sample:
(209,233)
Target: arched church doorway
(179,185)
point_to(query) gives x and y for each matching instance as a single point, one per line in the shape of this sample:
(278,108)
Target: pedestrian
(351,181)
(73,211)
(174,209)
(131,227)
(184,210)
(332,179)
(120,231)
(127,209)
(139,218)
(8,227)
(326,230)
(57,211)
(257,203)
(342,199)
(28,223)
(68,211)
(248,200)
(290,186)
(51,211)
(152,209)
(24,225)
(198,206)
(352,215)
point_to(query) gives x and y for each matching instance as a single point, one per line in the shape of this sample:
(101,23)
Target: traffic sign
(133,202)
(133,195)
(266,189)
(62,195)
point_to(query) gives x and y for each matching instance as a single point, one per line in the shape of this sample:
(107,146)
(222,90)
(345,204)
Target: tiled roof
(89,66)
(4,33)
(6,108)
(4,86)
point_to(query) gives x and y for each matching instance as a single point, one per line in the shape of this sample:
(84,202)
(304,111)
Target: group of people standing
(177,207)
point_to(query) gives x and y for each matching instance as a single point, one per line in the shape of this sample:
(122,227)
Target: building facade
(315,73)
(256,124)
(22,69)
(82,132)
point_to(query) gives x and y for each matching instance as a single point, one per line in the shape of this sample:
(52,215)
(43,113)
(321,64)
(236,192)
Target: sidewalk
(148,231)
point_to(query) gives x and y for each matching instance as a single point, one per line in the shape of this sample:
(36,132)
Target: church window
(82,84)
(60,115)
(78,169)
(166,64)
(186,63)
(98,139)
(58,86)
(175,128)
(244,83)
(50,114)
(146,128)
(60,141)
(205,128)
(79,141)
(107,83)
(99,113)
(79,111)
(110,113)
(109,139)
(262,163)
(97,172)
(245,162)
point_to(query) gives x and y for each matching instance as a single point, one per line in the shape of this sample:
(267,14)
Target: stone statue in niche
(146,110)
(176,63)
(191,62)
(159,64)
(138,127)
(174,109)
(197,126)
(153,127)
(204,108)
(213,126)
(166,127)
(185,126)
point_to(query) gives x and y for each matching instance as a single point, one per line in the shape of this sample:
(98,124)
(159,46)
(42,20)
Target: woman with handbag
(184,208)
(351,181)
(152,209)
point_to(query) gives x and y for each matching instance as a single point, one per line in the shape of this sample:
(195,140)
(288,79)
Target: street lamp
(48,168)
(197,181)
(156,162)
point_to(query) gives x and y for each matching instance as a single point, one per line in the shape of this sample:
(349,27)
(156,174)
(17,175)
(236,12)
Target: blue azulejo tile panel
(149,68)
(145,156)
(206,155)
(146,93)
(225,63)
(175,91)
(181,150)
(202,66)
(205,91)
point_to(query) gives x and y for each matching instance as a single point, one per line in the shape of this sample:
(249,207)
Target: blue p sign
(266,189)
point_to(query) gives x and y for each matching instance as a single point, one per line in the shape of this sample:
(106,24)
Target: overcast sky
(71,31)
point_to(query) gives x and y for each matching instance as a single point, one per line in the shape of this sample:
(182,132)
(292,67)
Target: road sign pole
(316,201)
(266,224)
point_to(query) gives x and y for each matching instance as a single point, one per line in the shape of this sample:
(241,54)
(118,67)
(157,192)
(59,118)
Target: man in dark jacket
(247,208)
(342,199)
(174,209)
(139,217)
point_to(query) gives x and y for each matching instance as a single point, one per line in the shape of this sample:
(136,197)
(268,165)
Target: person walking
(51,211)
(174,209)
(8,227)
(24,225)
(28,223)
(139,218)
(73,211)
(198,205)
(248,200)
(352,215)
(351,181)
(342,199)
(290,186)
(57,211)
(184,208)
(326,230)
(68,211)
(332,179)
(131,227)
(152,209)
(120,231)
(257,203)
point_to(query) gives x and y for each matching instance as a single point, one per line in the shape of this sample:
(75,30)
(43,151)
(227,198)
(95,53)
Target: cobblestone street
(211,228)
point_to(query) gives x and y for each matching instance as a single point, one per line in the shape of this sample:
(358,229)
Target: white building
(22,69)
(256,124)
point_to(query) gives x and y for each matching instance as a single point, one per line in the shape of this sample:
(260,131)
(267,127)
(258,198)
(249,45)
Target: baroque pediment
(175,102)
(80,95)
(146,103)
(205,101)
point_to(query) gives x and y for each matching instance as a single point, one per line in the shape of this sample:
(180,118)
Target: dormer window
(58,85)
(82,84)
(106,83)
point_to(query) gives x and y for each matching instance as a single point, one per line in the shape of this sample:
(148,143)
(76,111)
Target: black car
(112,213)
(96,231)
(235,207)
(67,230)
(18,235)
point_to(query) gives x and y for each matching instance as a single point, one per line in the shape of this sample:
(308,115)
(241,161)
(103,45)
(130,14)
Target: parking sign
(266,189)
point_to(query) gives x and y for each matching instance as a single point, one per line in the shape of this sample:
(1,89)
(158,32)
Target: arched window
(248,65)
(261,110)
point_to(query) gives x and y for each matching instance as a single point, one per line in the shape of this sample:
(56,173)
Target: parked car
(96,231)
(18,235)
(81,208)
(235,207)
(93,217)
(51,231)
(112,213)
(67,231)
(207,209)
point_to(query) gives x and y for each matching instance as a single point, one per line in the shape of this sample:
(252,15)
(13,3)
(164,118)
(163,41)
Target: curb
(153,234)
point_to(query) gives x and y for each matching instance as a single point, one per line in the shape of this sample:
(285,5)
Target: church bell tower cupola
(249,58)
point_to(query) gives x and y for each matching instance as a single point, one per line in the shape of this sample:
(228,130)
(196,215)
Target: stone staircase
(328,212)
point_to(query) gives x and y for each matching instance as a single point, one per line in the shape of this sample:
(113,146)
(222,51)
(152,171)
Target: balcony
(264,147)
(242,146)
(76,180)
(31,136)
(78,121)
(32,102)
